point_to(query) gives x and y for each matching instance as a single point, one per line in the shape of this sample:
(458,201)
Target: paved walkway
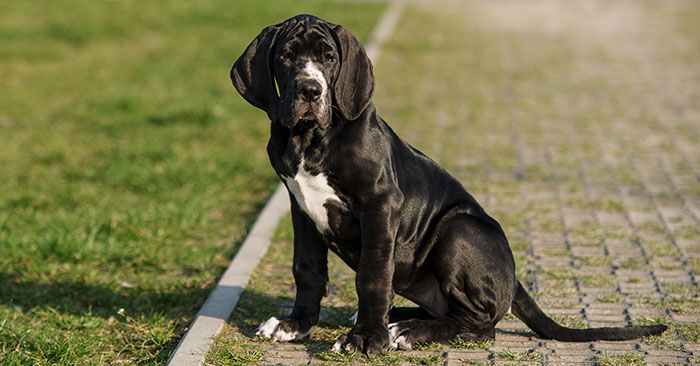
(577,125)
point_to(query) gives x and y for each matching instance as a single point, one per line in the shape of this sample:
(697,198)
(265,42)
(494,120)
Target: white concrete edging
(211,318)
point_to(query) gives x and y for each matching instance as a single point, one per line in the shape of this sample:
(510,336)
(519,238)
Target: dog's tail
(525,308)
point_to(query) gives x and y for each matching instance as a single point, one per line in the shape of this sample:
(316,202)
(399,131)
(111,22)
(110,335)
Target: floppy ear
(354,85)
(252,72)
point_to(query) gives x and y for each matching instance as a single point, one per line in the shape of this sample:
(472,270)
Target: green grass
(611,297)
(475,362)
(432,346)
(596,260)
(627,359)
(430,360)
(689,331)
(471,344)
(131,169)
(509,355)
(233,351)
(570,321)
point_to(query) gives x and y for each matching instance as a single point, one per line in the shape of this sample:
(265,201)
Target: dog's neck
(309,142)
(305,140)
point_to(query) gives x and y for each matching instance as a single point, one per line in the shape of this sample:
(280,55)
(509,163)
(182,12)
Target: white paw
(393,329)
(337,345)
(272,328)
(402,343)
(397,341)
(268,328)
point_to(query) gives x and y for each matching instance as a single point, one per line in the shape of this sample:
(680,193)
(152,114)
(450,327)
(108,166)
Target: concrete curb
(383,29)
(210,320)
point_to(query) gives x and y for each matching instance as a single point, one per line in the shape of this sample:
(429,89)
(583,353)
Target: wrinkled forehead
(307,33)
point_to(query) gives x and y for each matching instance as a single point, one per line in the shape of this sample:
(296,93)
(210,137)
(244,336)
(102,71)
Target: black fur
(403,223)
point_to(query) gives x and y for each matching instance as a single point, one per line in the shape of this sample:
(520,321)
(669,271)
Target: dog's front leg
(374,283)
(310,270)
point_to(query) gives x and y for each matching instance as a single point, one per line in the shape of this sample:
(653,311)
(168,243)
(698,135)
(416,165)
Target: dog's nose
(309,90)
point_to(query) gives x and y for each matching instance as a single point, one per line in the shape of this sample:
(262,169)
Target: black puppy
(397,218)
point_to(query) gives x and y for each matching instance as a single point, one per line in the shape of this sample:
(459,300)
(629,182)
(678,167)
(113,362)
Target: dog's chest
(312,192)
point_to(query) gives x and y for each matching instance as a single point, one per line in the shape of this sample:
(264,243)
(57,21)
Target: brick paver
(577,126)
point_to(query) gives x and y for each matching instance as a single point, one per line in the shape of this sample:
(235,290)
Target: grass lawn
(130,169)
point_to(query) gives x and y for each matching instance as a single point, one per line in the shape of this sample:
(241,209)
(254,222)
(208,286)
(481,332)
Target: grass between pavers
(626,359)
(130,169)
(541,125)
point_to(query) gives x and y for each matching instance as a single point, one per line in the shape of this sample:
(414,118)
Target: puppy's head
(303,71)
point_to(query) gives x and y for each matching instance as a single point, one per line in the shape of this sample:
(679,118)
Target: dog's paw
(398,337)
(338,345)
(370,340)
(284,330)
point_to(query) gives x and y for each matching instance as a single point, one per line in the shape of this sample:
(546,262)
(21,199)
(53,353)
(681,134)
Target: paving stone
(573,356)
(286,361)
(608,346)
(666,353)
(607,318)
(597,290)
(675,276)
(565,348)
(637,288)
(639,275)
(468,355)
(644,312)
(572,311)
(597,324)
(606,308)
(654,360)
(519,348)
(685,318)
(510,363)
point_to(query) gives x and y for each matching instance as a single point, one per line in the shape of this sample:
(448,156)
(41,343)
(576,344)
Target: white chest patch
(311,193)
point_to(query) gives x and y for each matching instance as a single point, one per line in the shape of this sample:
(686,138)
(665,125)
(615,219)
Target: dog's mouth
(305,123)
(309,114)
(304,116)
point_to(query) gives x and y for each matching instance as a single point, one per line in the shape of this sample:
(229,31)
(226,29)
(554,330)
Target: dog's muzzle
(308,100)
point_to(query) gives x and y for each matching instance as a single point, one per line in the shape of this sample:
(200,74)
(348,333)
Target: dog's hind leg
(397,314)
(405,334)
(474,269)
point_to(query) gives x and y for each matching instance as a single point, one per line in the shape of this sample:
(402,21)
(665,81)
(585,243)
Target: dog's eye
(329,57)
